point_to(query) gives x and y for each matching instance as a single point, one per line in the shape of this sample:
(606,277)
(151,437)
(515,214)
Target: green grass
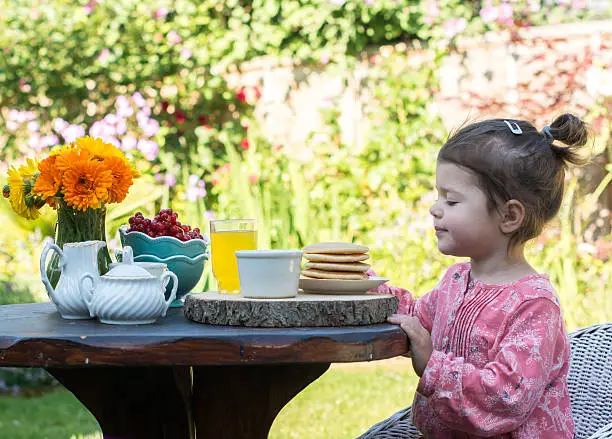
(343,403)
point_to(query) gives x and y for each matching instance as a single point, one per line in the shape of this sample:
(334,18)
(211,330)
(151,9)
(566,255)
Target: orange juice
(224,244)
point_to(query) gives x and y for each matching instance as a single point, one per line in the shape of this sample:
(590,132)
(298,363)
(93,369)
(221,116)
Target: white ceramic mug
(269,273)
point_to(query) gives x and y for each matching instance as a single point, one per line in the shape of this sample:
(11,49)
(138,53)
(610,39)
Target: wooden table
(177,379)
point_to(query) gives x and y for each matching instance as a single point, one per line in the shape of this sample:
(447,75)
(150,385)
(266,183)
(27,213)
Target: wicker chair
(589,381)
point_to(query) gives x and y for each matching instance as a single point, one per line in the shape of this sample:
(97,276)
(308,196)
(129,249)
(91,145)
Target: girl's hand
(421,346)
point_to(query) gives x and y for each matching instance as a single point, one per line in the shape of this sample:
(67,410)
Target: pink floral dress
(500,360)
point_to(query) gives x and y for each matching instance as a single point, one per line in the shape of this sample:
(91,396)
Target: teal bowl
(163,246)
(187,270)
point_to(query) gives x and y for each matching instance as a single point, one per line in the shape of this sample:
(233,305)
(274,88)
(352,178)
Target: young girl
(489,342)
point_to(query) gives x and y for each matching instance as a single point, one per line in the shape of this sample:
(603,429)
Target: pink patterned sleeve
(423,307)
(497,398)
(406,301)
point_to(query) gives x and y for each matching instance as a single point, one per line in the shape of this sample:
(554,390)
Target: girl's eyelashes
(451,203)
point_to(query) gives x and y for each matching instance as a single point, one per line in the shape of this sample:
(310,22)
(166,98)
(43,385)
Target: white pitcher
(76,259)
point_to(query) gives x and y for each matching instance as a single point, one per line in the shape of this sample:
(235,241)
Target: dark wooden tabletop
(36,335)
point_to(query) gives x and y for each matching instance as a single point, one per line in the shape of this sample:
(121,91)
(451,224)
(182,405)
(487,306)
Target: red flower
(241,95)
(165,105)
(248,95)
(203,120)
(180,116)
(244,144)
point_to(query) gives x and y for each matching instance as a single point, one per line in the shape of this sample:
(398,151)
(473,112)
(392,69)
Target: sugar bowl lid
(128,270)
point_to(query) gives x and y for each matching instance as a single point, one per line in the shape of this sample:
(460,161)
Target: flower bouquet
(78,180)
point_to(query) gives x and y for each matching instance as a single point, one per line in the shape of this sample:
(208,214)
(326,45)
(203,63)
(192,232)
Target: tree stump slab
(304,310)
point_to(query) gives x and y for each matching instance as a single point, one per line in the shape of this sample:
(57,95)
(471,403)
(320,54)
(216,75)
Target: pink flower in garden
(432,9)
(33,126)
(170,179)
(506,14)
(24,86)
(489,13)
(579,4)
(174,38)
(49,140)
(72,132)
(195,188)
(161,12)
(89,7)
(122,102)
(11,125)
(128,142)
(139,100)
(244,144)
(148,148)
(121,127)
(104,55)
(14,115)
(324,59)
(34,141)
(60,125)
(123,107)
(454,26)
(150,128)
(111,119)
(253,178)
(97,129)
(185,53)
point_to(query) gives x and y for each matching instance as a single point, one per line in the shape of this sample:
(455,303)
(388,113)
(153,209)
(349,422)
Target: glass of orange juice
(226,237)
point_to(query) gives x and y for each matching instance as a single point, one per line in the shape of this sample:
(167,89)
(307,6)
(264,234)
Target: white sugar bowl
(127,295)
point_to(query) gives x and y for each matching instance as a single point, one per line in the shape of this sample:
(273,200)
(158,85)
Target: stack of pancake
(335,260)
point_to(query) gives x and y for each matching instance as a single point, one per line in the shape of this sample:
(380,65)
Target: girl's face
(463,224)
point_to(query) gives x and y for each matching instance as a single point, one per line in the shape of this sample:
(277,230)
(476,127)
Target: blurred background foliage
(154,78)
(158,79)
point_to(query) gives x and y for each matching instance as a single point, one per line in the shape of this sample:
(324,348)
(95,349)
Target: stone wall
(492,66)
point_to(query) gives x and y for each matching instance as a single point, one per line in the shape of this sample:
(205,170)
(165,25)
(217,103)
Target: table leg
(232,402)
(134,402)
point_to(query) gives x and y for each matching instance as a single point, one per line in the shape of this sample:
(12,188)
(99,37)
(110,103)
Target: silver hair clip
(546,133)
(515,129)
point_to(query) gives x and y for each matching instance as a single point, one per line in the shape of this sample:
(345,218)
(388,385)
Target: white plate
(335,286)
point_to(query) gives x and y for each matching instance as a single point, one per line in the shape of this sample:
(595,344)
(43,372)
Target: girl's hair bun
(572,132)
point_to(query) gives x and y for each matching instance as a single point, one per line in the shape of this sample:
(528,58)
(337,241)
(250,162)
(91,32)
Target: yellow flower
(86,184)
(20,183)
(97,148)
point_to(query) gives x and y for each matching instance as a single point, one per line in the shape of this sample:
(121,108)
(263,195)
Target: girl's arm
(498,397)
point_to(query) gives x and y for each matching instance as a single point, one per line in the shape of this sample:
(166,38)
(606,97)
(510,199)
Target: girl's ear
(512,216)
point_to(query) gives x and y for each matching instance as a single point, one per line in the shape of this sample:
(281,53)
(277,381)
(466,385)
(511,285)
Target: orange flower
(122,178)
(65,158)
(100,150)
(86,184)
(49,181)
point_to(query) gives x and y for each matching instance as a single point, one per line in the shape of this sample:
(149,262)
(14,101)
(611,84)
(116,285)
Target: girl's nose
(435,210)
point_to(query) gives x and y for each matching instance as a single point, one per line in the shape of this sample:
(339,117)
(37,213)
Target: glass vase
(77,226)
